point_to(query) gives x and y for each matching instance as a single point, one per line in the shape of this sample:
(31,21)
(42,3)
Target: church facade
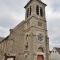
(29,39)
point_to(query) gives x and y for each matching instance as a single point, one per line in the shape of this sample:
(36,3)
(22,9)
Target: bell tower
(36,41)
(35,8)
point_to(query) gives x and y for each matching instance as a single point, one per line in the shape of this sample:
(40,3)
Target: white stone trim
(25,55)
(40,53)
(12,54)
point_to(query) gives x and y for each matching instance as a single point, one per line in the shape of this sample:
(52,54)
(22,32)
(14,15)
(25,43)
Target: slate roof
(1,38)
(32,0)
(58,49)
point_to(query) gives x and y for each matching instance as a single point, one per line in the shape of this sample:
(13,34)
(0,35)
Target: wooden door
(10,58)
(40,57)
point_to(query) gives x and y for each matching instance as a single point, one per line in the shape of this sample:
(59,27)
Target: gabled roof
(58,49)
(32,0)
(4,39)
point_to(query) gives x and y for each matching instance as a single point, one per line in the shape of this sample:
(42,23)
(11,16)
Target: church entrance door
(40,57)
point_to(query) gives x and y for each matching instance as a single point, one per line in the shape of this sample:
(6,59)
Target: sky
(12,12)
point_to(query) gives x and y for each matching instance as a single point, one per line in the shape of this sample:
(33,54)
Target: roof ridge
(56,47)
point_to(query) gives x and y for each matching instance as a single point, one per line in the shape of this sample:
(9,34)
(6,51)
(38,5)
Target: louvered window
(37,10)
(41,11)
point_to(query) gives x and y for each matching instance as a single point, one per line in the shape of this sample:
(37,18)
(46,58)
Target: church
(28,40)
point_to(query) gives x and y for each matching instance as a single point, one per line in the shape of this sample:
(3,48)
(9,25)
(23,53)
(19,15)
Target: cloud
(56,5)
(11,12)
(9,20)
(4,31)
(53,22)
(10,15)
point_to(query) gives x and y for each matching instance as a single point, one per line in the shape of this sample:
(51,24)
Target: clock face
(40,37)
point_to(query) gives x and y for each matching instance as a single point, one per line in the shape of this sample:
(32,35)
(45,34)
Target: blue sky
(12,12)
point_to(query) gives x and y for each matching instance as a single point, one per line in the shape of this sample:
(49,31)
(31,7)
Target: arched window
(26,36)
(37,10)
(30,10)
(40,49)
(41,11)
(26,45)
(27,12)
